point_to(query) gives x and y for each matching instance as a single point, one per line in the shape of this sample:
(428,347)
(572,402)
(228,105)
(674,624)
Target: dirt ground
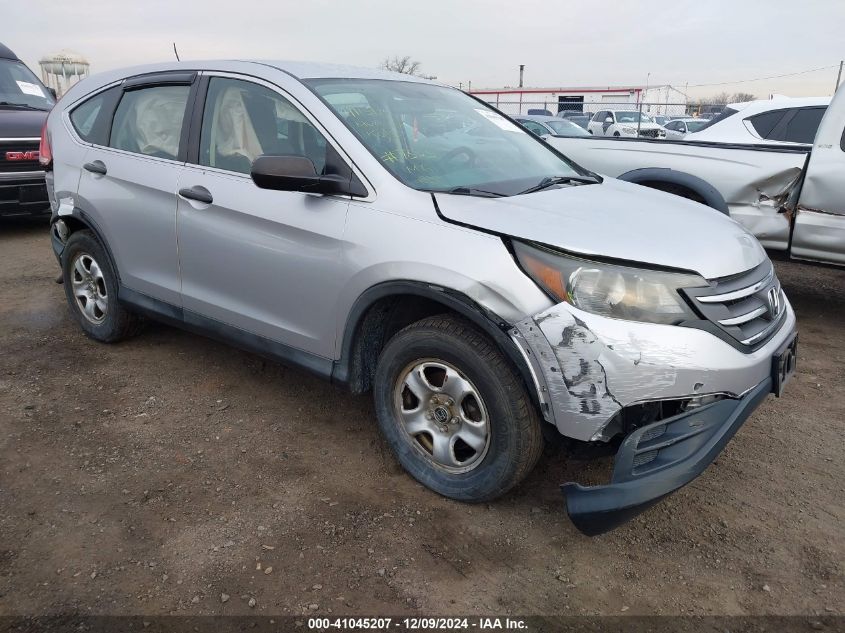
(157,475)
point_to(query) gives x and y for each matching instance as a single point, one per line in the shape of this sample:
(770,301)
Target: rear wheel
(454,411)
(91,288)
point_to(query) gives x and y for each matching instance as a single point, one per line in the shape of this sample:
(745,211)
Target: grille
(18,165)
(644,458)
(749,306)
(649,133)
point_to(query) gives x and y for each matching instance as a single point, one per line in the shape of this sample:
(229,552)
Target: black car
(24,105)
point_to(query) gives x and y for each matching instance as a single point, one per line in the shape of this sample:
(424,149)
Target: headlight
(620,292)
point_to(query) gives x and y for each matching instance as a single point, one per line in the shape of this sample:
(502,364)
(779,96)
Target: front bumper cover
(657,459)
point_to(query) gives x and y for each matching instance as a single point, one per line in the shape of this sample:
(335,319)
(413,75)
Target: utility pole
(640,116)
(839,76)
(469,86)
(521,71)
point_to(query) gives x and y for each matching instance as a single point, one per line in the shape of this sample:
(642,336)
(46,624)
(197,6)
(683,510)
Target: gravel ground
(172,474)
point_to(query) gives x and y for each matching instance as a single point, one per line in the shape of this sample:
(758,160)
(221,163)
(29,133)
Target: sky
(612,43)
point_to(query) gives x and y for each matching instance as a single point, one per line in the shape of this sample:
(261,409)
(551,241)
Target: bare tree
(739,97)
(404,65)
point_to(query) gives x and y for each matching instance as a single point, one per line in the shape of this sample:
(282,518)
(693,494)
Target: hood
(19,123)
(617,220)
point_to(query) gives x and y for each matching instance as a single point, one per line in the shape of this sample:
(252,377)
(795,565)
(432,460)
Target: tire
(91,287)
(426,354)
(617,134)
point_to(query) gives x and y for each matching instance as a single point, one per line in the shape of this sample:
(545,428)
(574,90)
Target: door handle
(200,194)
(96,167)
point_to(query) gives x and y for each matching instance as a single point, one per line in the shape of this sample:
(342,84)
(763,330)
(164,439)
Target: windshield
(632,117)
(434,138)
(19,86)
(695,126)
(566,128)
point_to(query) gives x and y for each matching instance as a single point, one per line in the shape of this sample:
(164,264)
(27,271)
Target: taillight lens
(45,152)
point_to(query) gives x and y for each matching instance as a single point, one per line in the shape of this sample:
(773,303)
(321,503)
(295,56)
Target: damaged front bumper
(657,459)
(592,373)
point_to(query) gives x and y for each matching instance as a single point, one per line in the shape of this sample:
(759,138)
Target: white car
(679,128)
(629,123)
(782,120)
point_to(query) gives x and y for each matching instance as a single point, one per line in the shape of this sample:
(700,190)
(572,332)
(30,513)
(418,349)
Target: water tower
(63,69)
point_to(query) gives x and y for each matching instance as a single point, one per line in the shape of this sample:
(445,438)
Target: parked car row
(780,120)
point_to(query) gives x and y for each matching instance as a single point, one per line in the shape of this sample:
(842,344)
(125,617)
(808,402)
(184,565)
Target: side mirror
(609,119)
(545,137)
(295,173)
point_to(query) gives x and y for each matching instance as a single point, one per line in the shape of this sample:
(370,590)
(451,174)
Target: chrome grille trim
(744,318)
(747,307)
(739,294)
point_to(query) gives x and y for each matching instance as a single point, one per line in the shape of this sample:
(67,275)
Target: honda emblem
(774,301)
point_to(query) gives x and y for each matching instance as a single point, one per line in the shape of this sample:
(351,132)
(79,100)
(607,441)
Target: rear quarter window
(91,119)
(765,122)
(803,126)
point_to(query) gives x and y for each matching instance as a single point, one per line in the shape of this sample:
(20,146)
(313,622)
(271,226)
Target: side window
(91,118)
(599,116)
(765,122)
(149,121)
(803,126)
(534,128)
(243,120)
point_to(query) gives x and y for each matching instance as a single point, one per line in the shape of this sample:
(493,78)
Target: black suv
(24,104)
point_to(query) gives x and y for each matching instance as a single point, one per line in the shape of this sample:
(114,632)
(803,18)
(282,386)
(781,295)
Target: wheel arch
(383,309)
(76,221)
(676,182)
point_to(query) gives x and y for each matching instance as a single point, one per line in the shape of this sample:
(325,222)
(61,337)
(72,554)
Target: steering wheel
(463,150)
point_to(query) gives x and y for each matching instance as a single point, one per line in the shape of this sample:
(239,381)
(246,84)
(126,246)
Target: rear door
(128,185)
(264,262)
(819,229)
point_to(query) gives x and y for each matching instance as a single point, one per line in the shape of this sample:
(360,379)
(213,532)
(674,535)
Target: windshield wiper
(26,106)
(471,191)
(550,181)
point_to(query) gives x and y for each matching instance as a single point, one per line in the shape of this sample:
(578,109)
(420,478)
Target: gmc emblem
(31,155)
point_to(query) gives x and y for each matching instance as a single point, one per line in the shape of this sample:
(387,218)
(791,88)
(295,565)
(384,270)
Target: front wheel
(454,411)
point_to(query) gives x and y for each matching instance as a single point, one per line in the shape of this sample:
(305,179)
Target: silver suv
(392,234)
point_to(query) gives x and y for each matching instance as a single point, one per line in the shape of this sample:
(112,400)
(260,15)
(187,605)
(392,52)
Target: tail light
(45,152)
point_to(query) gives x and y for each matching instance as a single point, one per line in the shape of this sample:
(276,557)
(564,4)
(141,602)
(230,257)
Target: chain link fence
(659,111)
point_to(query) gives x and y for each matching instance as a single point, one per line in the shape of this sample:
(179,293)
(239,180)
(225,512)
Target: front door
(264,262)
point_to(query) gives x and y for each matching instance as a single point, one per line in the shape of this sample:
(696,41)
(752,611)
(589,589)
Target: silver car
(396,235)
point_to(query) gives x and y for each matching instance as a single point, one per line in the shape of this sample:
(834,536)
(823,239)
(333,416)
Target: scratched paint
(591,376)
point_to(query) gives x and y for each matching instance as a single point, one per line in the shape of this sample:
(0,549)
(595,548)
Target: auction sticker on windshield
(29,88)
(498,119)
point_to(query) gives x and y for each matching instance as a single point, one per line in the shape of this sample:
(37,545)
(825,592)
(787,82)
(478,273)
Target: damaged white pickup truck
(791,198)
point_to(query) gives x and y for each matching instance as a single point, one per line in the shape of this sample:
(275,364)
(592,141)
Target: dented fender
(588,367)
